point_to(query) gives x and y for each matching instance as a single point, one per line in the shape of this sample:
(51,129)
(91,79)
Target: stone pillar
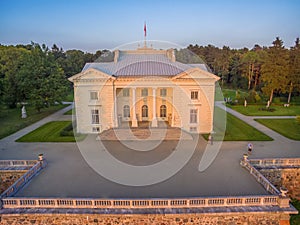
(134,120)
(42,160)
(154,119)
(173,110)
(115,108)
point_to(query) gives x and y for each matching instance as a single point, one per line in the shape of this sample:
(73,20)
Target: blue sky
(94,24)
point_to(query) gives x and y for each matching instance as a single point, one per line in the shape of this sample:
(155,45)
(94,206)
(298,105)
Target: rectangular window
(194,95)
(95,116)
(96,129)
(144,92)
(193,129)
(193,115)
(163,92)
(93,95)
(126,92)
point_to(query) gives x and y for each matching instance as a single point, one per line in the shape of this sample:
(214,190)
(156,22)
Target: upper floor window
(93,95)
(194,95)
(144,92)
(126,92)
(163,92)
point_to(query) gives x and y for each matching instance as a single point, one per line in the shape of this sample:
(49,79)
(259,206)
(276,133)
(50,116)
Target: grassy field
(253,110)
(295,219)
(11,121)
(70,112)
(289,128)
(50,132)
(236,129)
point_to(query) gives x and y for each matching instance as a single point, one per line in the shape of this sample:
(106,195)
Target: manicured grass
(69,112)
(226,93)
(11,121)
(253,110)
(295,219)
(50,132)
(289,128)
(236,130)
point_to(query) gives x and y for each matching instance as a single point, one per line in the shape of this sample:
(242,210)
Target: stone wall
(287,177)
(183,219)
(8,177)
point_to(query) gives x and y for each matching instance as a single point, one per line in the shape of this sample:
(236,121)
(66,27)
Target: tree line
(273,70)
(38,75)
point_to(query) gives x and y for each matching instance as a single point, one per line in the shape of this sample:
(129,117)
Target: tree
(294,72)
(42,80)
(275,69)
(10,62)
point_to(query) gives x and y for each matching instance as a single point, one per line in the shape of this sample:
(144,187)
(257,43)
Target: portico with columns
(144,86)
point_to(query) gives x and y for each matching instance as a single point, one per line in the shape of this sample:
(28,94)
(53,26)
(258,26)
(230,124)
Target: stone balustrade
(17,163)
(140,203)
(258,176)
(280,162)
(36,166)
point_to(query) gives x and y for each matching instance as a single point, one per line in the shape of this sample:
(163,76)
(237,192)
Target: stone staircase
(138,134)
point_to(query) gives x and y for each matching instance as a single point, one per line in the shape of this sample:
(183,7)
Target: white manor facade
(144,86)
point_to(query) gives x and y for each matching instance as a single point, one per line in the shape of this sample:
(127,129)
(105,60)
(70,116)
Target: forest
(37,74)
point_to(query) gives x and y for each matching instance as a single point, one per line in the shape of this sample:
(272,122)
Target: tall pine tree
(275,69)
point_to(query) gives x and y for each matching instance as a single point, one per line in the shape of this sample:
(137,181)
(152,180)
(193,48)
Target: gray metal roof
(142,65)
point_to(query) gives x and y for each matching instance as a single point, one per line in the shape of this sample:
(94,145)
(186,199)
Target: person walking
(250,148)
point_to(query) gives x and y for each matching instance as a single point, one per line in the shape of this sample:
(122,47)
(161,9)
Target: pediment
(91,74)
(196,73)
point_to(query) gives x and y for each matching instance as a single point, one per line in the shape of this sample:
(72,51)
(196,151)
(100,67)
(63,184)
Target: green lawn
(253,110)
(70,112)
(50,132)
(289,128)
(295,219)
(11,121)
(236,129)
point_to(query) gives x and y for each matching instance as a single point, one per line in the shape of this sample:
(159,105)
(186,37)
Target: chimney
(116,55)
(171,55)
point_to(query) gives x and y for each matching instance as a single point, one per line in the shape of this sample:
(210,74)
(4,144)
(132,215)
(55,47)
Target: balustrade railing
(24,178)
(139,203)
(275,162)
(16,163)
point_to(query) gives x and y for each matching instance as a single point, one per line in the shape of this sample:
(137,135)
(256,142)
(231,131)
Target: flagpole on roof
(145,35)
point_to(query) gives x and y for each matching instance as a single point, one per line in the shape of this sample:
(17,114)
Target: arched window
(126,111)
(144,111)
(163,111)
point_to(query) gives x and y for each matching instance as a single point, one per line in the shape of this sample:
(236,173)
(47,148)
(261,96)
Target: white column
(173,110)
(133,121)
(154,119)
(115,108)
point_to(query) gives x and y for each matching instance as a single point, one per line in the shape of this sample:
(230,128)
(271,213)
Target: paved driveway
(69,175)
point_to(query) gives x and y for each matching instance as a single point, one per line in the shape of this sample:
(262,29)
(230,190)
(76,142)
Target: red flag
(145,29)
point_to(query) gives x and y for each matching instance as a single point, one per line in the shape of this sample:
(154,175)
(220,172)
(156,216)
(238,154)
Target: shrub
(67,131)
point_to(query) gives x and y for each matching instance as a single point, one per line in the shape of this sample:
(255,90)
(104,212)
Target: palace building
(144,86)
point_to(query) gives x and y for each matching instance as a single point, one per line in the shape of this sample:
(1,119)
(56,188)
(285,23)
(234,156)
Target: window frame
(144,92)
(163,92)
(145,109)
(126,111)
(94,95)
(126,92)
(95,114)
(194,95)
(163,111)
